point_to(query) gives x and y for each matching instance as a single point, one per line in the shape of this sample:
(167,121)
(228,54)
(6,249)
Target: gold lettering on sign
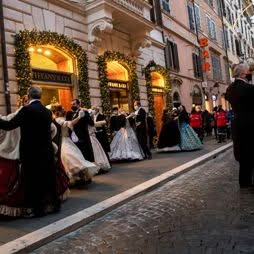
(49,76)
(117,85)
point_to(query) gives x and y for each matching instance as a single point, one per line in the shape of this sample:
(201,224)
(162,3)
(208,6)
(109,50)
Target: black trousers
(245,172)
(142,139)
(86,149)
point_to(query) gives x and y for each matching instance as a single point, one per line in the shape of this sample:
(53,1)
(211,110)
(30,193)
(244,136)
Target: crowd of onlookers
(219,123)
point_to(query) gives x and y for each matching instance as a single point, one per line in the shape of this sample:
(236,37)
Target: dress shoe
(149,157)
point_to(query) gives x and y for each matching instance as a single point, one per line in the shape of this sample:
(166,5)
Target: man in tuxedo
(101,132)
(81,132)
(36,154)
(240,94)
(114,121)
(141,128)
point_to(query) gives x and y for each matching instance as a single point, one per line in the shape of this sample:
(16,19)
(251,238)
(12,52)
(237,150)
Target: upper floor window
(191,17)
(198,16)
(210,2)
(165,5)
(223,42)
(216,66)
(171,55)
(219,8)
(211,28)
(197,65)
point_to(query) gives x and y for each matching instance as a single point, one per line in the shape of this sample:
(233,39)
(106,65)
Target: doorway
(158,85)
(118,78)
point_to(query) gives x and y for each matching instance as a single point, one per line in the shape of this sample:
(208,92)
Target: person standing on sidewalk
(196,123)
(240,94)
(221,123)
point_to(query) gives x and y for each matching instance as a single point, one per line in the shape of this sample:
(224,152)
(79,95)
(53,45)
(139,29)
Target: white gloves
(81,114)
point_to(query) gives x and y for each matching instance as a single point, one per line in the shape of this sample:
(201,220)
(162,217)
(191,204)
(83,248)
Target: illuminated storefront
(52,70)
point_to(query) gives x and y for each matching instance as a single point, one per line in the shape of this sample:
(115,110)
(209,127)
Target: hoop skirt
(189,138)
(125,146)
(169,139)
(100,158)
(74,163)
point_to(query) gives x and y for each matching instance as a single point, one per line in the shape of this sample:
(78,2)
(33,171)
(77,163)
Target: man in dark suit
(141,129)
(101,132)
(36,154)
(114,121)
(81,130)
(240,94)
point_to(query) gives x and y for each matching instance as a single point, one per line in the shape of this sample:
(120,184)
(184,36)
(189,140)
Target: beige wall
(41,15)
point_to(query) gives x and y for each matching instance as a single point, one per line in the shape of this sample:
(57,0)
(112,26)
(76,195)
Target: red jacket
(221,119)
(195,120)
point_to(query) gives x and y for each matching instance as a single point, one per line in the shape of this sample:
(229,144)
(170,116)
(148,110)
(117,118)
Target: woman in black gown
(169,138)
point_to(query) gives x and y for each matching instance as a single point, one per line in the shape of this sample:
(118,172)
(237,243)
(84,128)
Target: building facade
(112,52)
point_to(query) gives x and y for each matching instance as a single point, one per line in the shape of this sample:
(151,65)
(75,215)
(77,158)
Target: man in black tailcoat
(240,94)
(114,122)
(100,129)
(141,129)
(80,136)
(36,154)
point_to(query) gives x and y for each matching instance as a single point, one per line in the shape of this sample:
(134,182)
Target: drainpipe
(199,50)
(4,61)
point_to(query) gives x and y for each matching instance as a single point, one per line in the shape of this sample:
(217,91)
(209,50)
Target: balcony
(129,16)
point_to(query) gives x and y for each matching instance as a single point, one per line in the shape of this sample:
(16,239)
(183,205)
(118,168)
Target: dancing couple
(176,133)
(130,135)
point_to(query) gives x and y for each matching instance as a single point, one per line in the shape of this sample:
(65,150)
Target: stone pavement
(203,211)
(122,177)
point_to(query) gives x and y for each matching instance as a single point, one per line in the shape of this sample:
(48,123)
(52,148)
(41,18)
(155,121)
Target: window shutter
(214,36)
(197,13)
(208,22)
(176,59)
(199,66)
(191,18)
(168,55)
(157,6)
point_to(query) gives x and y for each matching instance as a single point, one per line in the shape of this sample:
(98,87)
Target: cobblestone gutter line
(53,231)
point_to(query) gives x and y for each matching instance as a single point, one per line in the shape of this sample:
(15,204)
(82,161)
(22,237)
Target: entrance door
(62,95)
(159,106)
(119,99)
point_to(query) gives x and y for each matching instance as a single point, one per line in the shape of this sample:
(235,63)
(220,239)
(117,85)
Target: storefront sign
(116,84)
(203,42)
(51,76)
(157,90)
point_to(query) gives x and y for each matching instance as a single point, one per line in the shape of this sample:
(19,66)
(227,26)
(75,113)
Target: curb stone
(36,239)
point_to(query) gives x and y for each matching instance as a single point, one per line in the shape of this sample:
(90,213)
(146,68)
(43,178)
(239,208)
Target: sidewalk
(200,212)
(123,176)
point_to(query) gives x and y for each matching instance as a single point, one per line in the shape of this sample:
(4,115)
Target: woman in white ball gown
(125,145)
(75,165)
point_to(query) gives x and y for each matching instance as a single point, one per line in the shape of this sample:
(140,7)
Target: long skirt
(189,138)
(12,191)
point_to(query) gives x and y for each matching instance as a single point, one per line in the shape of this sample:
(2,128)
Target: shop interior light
(47,53)
(31,49)
(39,50)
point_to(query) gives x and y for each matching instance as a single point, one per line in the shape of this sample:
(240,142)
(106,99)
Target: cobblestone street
(203,211)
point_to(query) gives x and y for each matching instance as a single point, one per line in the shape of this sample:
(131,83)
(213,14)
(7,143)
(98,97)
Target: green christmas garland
(167,90)
(129,64)
(25,39)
